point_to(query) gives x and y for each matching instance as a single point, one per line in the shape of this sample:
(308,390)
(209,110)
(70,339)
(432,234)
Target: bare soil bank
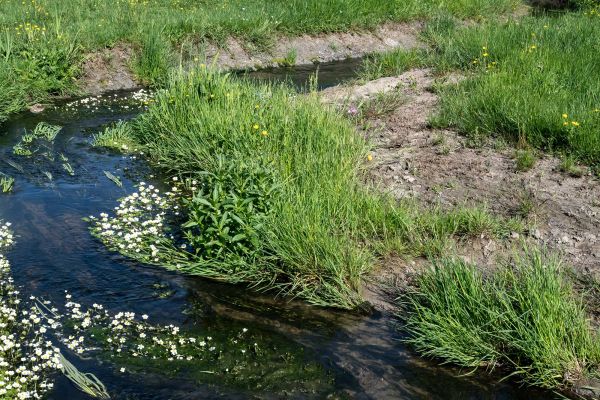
(440,168)
(109,69)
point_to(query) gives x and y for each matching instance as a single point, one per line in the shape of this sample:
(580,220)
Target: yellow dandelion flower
(485,54)
(565,116)
(574,123)
(369,157)
(255,126)
(264,133)
(565,123)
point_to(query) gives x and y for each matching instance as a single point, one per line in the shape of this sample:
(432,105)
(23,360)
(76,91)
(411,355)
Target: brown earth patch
(108,70)
(440,168)
(310,49)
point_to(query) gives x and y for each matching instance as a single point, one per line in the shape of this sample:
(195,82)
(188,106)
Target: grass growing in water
(525,318)
(391,63)
(272,192)
(7,183)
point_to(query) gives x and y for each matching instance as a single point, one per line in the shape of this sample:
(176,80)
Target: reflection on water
(309,352)
(328,74)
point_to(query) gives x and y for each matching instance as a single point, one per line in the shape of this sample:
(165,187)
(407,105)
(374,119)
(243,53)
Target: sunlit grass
(524,319)
(42,42)
(281,176)
(522,80)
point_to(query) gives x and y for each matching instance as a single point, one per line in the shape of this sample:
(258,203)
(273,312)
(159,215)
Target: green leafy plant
(226,215)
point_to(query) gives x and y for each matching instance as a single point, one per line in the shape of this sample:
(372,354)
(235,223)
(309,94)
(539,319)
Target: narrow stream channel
(328,74)
(308,352)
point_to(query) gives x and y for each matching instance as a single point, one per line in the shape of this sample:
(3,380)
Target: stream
(308,352)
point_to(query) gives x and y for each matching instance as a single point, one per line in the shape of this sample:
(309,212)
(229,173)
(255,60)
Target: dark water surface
(328,74)
(311,352)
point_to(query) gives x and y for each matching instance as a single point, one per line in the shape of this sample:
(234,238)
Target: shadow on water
(308,352)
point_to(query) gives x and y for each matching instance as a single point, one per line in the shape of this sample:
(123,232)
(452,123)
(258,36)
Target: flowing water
(307,352)
(327,74)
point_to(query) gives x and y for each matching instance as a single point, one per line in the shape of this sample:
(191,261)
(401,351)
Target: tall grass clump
(535,77)
(283,169)
(271,190)
(154,59)
(524,319)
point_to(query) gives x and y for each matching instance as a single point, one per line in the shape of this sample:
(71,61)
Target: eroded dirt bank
(440,168)
(110,69)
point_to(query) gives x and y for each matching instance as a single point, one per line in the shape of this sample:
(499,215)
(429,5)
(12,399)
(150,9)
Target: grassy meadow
(43,42)
(532,80)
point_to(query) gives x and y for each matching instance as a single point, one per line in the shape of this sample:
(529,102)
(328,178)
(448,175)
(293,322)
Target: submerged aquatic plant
(42,130)
(20,150)
(7,183)
(46,131)
(115,179)
(26,358)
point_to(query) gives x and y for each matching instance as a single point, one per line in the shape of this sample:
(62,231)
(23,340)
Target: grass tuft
(524,319)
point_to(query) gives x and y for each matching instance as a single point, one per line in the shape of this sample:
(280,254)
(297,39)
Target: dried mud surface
(439,168)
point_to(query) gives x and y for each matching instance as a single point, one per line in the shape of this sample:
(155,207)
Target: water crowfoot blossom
(139,229)
(26,358)
(28,329)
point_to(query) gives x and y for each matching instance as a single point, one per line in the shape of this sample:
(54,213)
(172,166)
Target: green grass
(525,320)
(42,42)
(391,63)
(523,80)
(569,166)
(280,202)
(524,160)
